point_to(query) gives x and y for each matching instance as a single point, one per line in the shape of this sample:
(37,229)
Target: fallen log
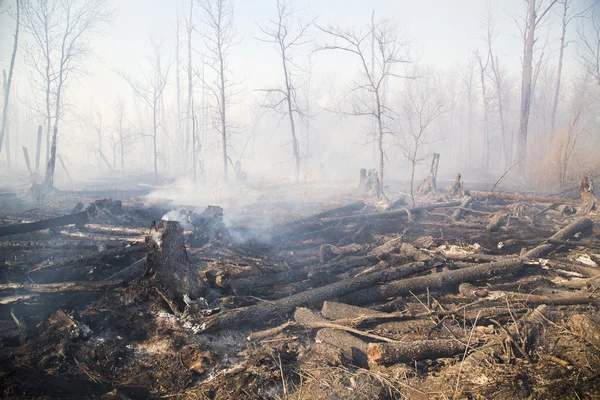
(61,287)
(521,197)
(71,219)
(390,214)
(443,280)
(465,203)
(268,310)
(580,225)
(131,273)
(391,353)
(496,220)
(244,285)
(334,310)
(90,258)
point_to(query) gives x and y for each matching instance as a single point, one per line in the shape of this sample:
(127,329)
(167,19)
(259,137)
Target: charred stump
(168,260)
(208,226)
(588,198)
(429,184)
(457,190)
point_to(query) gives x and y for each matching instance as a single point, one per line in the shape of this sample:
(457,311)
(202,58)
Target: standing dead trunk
(38,149)
(49,179)
(560,63)
(168,259)
(9,79)
(526,83)
(189,81)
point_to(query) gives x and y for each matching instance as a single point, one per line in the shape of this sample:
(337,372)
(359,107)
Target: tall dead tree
(150,91)
(468,79)
(566,19)
(534,16)
(486,129)
(60,32)
(567,138)
(498,80)
(8,80)
(180,133)
(588,48)
(287,34)
(220,36)
(190,83)
(422,104)
(390,53)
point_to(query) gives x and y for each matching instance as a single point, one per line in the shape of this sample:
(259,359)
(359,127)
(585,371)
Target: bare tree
(8,81)
(568,137)
(180,133)
(220,36)
(484,96)
(390,52)
(534,16)
(189,27)
(119,133)
(150,91)
(566,19)
(498,80)
(588,49)
(468,79)
(60,31)
(422,104)
(287,34)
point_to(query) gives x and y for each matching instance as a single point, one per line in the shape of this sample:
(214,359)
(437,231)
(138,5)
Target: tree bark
(526,84)
(391,353)
(265,311)
(10,75)
(560,64)
(520,197)
(442,280)
(77,219)
(578,226)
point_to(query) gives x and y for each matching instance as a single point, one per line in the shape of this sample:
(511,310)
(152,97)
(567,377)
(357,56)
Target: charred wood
(580,225)
(521,197)
(444,280)
(390,353)
(78,218)
(265,311)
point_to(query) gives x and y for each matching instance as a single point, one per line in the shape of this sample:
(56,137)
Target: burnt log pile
(473,295)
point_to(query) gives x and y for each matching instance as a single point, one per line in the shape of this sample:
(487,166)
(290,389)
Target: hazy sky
(442,31)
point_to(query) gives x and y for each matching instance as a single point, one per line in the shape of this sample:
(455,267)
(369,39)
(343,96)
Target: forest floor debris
(351,302)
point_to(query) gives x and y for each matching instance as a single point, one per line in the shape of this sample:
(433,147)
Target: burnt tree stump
(588,198)
(168,260)
(429,184)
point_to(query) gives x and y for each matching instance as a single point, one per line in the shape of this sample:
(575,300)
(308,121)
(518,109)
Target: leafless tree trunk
(569,137)
(8,81)
(390,53)
(486,130)
(566,19)
(468,81)
(588,49)
(534,17)
(150,92)
(422,104)
(189,29)
(286,37)
(180,135)
(60,31)
(220,37)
